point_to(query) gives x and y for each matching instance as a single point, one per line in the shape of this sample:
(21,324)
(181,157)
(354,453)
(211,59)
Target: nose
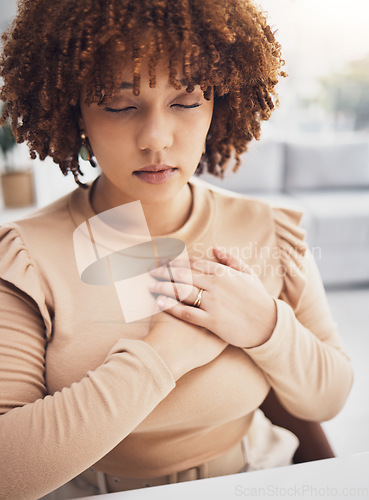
(156,132)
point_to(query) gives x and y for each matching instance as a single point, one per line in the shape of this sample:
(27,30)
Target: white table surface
(336,478)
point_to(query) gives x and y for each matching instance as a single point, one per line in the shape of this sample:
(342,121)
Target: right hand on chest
(182,346)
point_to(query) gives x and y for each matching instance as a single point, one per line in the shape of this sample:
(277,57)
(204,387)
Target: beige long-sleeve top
(78,386)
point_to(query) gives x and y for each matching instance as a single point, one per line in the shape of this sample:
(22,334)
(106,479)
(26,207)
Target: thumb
(227,259)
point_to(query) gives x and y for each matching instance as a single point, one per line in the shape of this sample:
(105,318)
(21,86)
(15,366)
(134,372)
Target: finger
(180,262)
(229,260)
(183,292)
(200,265)
(168,273)
(179,275)
(187,313)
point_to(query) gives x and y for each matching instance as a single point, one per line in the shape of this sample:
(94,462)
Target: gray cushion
(349,268)
(339,233)
(320,166)
(261,170)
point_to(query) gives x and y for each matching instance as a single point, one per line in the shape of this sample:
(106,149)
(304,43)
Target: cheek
(190,143)
(205,122)
(98,126)
(195,130)
(109,141)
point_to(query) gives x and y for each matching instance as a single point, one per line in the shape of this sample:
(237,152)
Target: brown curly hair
(53,49)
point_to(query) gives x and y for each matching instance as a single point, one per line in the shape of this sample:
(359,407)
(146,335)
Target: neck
(169,216)
(162,218)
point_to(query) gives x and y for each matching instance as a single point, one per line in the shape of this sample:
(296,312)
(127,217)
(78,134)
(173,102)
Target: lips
(158,175)
(154,168)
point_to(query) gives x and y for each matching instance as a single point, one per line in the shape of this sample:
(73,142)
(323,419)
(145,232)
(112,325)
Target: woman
(154,91)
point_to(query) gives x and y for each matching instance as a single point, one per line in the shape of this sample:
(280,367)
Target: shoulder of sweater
(45,223)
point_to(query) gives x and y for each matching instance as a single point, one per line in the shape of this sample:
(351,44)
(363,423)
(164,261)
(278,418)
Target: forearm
(74,428)
(311,378)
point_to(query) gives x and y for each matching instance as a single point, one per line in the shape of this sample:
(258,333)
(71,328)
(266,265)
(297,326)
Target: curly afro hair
(53,49)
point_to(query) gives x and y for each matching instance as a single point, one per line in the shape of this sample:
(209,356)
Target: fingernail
(161,303)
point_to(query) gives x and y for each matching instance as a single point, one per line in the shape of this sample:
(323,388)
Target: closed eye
(113,110)
(123,110)
(183,106)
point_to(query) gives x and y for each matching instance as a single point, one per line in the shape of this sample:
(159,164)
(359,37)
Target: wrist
(270,322)
(165,350)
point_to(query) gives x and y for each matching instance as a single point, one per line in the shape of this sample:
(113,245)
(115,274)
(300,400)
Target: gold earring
(86,152)
(83,152)
(204,150)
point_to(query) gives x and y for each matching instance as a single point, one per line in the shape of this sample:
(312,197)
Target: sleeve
(304,359)
(47,440)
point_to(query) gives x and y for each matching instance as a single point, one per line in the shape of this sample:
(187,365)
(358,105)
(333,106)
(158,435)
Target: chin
(159,197)
(156,193)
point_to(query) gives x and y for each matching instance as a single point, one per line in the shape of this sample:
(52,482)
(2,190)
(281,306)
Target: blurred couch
(329,182)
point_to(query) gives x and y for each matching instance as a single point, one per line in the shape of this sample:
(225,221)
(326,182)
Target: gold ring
(197,302)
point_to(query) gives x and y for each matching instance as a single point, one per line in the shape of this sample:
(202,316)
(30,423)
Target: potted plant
(16,181)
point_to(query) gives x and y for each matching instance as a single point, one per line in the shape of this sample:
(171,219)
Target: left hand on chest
(234,303)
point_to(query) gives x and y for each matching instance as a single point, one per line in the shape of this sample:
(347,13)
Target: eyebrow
(127,85)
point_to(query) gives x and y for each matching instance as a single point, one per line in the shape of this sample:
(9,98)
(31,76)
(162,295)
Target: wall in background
(325,46)
(7,11)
